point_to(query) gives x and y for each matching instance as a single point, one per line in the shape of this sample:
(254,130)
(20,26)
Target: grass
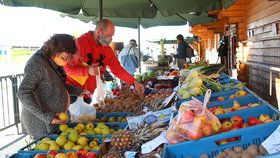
(17,56)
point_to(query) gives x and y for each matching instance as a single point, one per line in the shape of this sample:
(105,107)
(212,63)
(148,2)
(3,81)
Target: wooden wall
(262,20)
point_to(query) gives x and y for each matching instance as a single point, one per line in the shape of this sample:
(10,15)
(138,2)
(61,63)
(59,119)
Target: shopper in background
(43,91)
(129,57)
(93,52)
(182,52)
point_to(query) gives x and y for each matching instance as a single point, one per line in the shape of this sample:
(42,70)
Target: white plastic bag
(80,111)
(100,91)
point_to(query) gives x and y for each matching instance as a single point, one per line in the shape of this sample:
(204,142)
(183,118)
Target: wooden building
(252,28)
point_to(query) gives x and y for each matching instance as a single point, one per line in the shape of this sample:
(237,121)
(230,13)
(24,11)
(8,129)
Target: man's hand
(139,87)
(93,70)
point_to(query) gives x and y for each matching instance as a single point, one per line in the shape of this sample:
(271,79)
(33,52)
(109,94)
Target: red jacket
(77,66)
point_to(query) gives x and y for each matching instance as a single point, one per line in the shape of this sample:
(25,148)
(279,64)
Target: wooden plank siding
(261,17)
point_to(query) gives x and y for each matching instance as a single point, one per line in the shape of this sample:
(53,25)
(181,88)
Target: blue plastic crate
(223,77)
(208,145)
(117,114)
(53,137)
(229,81)
(25,155)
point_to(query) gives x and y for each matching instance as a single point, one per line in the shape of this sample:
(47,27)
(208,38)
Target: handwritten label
(272,143)
(153,144)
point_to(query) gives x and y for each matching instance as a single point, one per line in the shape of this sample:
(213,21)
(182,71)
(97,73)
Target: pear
(73,137)
(82,141)
(61,140)
(42,146)
(69,145)
(97,130)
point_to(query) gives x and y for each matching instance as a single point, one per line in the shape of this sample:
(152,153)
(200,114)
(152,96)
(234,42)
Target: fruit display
(239,93)
(71,142)
(88,129)
(145,76)
(126,102)
(78,154)
(192,122)
(236,106)
(237,122)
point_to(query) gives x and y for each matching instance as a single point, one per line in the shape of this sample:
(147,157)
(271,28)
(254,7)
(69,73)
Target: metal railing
(9,103)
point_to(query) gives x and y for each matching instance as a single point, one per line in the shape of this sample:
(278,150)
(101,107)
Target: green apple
(61,140)
(82,141)
(69,145)
(73,137)
(63,127)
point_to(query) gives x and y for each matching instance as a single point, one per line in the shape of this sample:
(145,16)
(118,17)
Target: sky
(32,26)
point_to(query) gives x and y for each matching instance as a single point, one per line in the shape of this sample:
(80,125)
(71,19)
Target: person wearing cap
(94,54)
(129,57)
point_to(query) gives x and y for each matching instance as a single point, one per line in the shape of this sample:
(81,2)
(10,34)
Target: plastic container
(208,145)
(53,137)
(25,155)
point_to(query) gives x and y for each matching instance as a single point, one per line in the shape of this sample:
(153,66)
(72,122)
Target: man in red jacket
(93,52)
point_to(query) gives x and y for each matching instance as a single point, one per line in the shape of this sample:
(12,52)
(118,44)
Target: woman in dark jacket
(43,92)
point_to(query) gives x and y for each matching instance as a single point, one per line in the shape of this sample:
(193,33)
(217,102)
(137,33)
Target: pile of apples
(78,154)
(236,106)
(236,122)
(192,125)
(87,129)
(72,142)
(239,93)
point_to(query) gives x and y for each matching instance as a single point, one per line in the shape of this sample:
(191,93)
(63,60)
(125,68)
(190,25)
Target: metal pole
(15,100)
(100,14)
(139,45)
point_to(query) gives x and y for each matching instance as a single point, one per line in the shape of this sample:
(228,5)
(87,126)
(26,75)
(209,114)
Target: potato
(246,154)
(253,150)
(203,156)
(238,149)
(262,150)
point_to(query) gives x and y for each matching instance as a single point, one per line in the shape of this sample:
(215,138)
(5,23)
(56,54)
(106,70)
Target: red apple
(220,99)
(219,111)
(253,121)
(40,156)
(236,127)
(81,153)
(194,135)
(187,116)
(72,155)
(233,139)
(244,125)
(236,120)
(232,96)
(236,105)
(207,130)
(91,155)
(51,154)
(213,109)
(264,117)
(226,126)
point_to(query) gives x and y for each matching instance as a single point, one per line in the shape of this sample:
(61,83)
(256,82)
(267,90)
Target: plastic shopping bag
(100,91)
(80,111)
(193,121)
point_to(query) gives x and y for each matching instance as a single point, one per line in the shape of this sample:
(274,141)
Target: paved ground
(11,142)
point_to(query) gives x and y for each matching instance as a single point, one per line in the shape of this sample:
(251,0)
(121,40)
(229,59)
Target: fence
(9,103)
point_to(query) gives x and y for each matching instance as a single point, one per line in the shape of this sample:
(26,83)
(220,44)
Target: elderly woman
(43,92)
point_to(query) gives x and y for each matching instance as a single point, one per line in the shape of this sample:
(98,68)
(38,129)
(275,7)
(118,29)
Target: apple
(93,144)
(81,153)
(264,117)
(236,120)
(219,111)
(216,125)
(232,96)
(213,109)
(51,154)
(236,105)
(233,139)
(63,116)
(187,116)
(225,141)
(72,155)
(91,155)
(89,126)
(82,141)
(240,93)
(63,127)
(268,120)
(253,121)
(220,99)
(207,130)
(195,135)
(234,127)
(61,155)
(61,140)
(253,104)
(244,125)
(226,126)
(40,156)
